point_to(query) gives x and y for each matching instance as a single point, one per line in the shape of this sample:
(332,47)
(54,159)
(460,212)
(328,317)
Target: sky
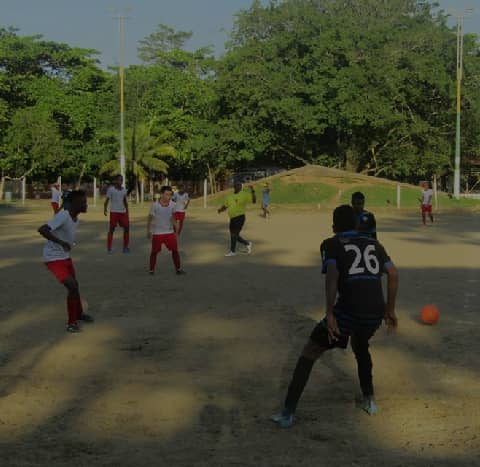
(90,24)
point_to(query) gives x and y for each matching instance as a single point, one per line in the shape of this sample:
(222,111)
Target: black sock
(297,385)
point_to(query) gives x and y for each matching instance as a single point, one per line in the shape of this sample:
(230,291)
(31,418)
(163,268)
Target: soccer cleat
(151,272)
(230,253)
(86,318)
(368,404)
(283,420)
(249,247)
(73,328)
(126,250)
(180,272)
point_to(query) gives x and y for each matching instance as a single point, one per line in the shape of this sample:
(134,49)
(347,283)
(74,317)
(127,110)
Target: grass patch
(300,193)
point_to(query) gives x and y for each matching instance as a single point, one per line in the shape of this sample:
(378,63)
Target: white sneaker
(249,247)
(231,253)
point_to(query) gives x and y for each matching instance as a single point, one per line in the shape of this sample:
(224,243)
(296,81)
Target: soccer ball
(429,314)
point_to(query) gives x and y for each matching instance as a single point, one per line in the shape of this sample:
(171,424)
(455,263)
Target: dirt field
(186,370)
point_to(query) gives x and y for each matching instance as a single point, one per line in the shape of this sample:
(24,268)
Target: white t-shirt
(64,228)
(55,195)
(162,218)
(427,197)
(116,198)
(180,200)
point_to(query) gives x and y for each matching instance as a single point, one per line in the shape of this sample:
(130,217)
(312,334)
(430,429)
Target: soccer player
(236,205)
(55,200)
(366,223)
(426,203)
(353,264)
(60,233)
(181,200)
(118,213)
(161,227)
(265,200)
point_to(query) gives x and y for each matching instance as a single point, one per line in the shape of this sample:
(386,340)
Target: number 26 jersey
(360,261)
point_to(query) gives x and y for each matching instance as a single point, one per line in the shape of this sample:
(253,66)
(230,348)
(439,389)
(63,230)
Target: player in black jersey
(366,223)
(355,307)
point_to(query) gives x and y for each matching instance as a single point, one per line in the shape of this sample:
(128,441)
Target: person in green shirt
(235,205)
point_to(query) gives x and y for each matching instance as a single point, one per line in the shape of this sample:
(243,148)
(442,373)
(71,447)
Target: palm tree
(144,155)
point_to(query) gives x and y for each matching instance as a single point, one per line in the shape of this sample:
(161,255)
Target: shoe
(368,404)
(73,328)
(152,272)
(126,250)
(180,272)
(249,247)
(284,419)
(86,318)
(230,253)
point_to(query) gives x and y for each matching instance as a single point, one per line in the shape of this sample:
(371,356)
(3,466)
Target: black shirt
(360,261)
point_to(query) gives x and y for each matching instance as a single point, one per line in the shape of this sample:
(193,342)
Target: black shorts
(319,335)
(236,224)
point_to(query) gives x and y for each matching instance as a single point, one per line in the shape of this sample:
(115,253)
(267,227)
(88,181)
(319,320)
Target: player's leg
(180,216)
(156,248)
(111,229)
(360,347)
(125,224)
(172,245)
(316,346)
(240,224)
(424,217)
(233,228)
(430,214)
(54,207)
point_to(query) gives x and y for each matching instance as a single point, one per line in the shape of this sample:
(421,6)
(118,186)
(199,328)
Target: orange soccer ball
(429,314)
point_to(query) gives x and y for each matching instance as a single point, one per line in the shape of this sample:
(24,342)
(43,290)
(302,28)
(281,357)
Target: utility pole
(460,16)
(121,73)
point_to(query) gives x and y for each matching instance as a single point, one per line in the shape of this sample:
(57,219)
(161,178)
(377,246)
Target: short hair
(344,218)
(165,188)
(76,194)
(358,195)
(118,175)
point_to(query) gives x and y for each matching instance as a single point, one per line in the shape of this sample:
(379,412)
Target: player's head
(166,193)
(181,188)
(426,185)
(237,186)
(358,201)
(343,219)
(118,180)
(78,200)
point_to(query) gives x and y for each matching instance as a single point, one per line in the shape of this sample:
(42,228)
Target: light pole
(460,18)
(121,73)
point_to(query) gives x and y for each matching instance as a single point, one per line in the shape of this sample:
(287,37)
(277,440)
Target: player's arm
(125,202)
(392,287)
(222,208)
(331,281)
(46,232)
(105,205)
(186,204)
(149,225)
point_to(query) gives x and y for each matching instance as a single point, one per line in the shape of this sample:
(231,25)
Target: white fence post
(435,192)
(95,191)
(24,189)
(398,196)
(142,189)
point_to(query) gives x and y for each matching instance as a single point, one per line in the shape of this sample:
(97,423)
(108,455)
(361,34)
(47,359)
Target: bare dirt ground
(186,370)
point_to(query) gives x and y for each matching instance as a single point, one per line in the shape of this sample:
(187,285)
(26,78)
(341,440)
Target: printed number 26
(369,259)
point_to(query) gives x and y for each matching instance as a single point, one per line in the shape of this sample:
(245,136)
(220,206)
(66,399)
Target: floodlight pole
(121,73)
(456,174)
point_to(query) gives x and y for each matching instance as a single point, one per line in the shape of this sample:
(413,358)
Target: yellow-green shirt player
(235,205)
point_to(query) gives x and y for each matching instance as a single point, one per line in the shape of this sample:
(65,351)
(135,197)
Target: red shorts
(180,216)
(119,218)
(55,207)
(426,208)
(169,240)
(62,269)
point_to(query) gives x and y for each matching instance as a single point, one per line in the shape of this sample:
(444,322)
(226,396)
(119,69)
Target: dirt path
(185,371)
